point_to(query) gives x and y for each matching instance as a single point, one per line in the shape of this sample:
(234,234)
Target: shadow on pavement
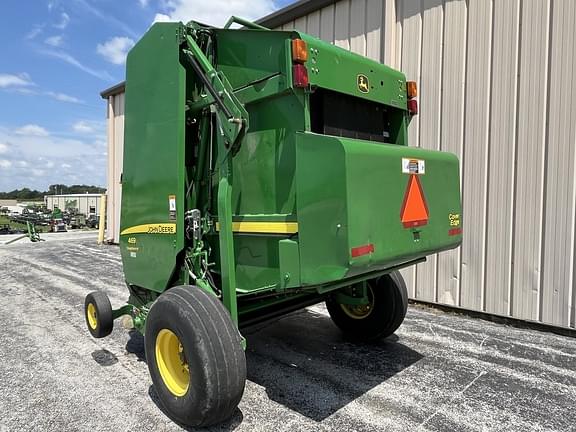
(135,345)
(104,357)
(305,364)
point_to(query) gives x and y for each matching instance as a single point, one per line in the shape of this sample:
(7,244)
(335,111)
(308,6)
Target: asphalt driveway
(440,372)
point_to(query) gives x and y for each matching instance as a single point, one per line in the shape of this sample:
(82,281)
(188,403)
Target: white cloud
(95,128)
(32,130)
(143,3)
(161,18)
(62,97)
(64,21)
(20,80)
(116,49)
(24,91)
(216,12)
(62,55)
(54,41)
(82,126)
(36,30)
(3,148)
(13,84)
(38,161)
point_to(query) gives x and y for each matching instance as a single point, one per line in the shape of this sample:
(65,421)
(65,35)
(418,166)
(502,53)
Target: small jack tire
(388,303)
(98,314)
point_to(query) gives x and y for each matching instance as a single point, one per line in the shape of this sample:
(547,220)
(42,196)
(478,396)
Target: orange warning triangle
(414,209)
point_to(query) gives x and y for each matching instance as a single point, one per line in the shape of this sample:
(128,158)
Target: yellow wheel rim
(172,363)
(360,311)
(92,317)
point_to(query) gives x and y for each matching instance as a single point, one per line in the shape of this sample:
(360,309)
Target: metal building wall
(496,88)
(82,202)
(115,129)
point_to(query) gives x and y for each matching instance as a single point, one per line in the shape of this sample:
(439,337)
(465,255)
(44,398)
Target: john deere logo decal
(363,84)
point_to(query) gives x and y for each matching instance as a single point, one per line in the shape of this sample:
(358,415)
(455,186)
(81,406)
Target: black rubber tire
(104,320)
(388,311)
(212,347)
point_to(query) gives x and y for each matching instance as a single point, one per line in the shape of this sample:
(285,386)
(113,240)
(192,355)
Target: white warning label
(413,166)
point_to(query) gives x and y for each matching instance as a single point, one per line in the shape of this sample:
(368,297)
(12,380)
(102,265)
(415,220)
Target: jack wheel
(98,314)
(195,356)
(384,313)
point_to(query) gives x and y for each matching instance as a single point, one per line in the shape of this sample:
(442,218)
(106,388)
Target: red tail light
(413,106)
(299,75)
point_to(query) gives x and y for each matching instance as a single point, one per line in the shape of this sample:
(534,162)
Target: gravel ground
(440,372)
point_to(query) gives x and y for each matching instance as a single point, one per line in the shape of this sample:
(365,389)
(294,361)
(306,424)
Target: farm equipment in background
(93,221)
(265,171)
(31,233)
(77,220)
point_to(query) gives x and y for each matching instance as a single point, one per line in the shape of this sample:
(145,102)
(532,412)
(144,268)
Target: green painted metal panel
(249,55)
(289,260)
(350,194)
(153,158)
(337,69)
(264,166)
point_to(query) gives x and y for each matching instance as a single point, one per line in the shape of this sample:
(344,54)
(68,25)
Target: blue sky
(57,56)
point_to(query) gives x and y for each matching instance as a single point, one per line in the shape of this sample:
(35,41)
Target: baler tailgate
(387,204)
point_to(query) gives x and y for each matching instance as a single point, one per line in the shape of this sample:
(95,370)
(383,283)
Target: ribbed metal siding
(115,160)
(497,88)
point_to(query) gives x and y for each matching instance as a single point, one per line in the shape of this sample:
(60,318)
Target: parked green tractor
(265,171)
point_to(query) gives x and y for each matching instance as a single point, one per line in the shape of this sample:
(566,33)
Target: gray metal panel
(342,24)
(300,24)
(119,137)
(452,128)
(327,24)
(558,269)
(390,34)
(313,24)
(430,105)
(115,160)
(374,29)
(358,26)
(532,100)
(475,155)
(411,18)
(502,155)
(291,11)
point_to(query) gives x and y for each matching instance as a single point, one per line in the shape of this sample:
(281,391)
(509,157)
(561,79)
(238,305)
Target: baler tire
(390,303)
(98,314)
(212,375)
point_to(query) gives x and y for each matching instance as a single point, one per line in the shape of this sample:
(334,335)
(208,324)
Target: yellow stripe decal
(157,228)
(263,227)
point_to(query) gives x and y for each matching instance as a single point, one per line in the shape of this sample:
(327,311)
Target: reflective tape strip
(263,227)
